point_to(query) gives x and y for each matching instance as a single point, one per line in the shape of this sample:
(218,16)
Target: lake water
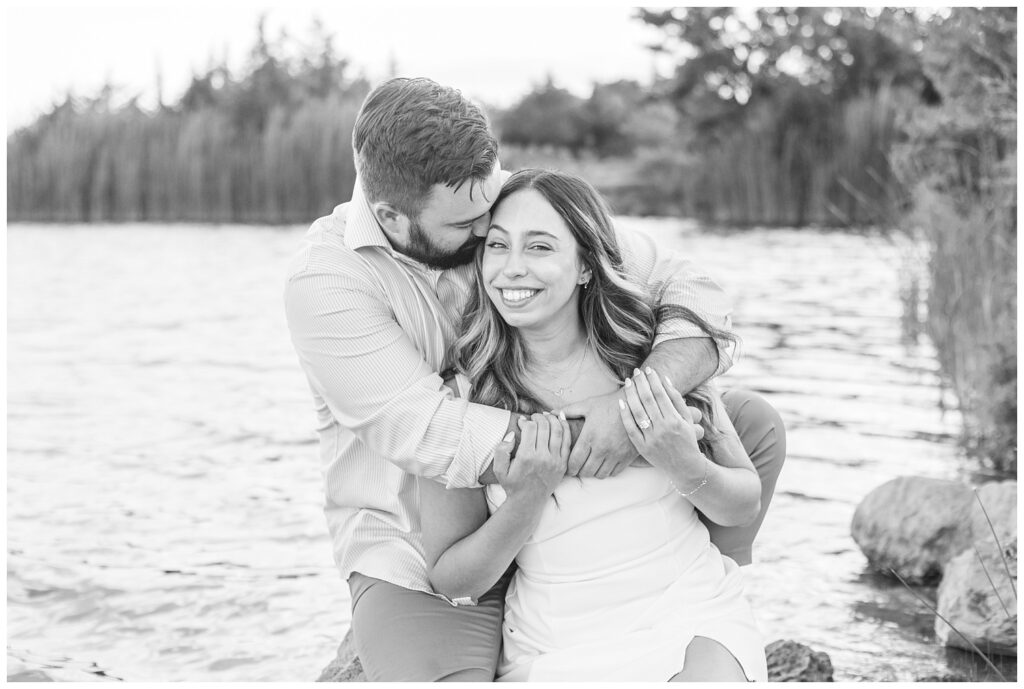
(164,503)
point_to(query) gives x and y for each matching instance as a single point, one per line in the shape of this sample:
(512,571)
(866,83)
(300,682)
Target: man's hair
(414,133)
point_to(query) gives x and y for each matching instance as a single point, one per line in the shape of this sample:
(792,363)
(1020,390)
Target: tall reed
(130,165)
(832,171)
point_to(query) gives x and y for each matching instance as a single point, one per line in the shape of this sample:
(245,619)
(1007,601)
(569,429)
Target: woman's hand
(658,422)
(540,461)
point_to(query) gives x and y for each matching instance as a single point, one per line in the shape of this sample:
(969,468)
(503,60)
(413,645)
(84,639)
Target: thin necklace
(562,391)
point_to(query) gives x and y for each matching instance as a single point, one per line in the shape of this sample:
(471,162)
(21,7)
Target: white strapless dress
(615,583)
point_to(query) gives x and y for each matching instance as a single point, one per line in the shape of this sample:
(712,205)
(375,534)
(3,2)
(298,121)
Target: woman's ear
(585,276)
(394,222)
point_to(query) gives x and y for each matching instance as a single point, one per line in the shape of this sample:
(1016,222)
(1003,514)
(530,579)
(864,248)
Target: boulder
(789,661)
(1000,501)
(914,525)
(978,590)
(346,666)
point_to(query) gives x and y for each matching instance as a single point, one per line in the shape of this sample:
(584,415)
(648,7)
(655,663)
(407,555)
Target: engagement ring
(644,424)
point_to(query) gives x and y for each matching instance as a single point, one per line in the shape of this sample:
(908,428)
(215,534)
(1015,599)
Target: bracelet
(703,482)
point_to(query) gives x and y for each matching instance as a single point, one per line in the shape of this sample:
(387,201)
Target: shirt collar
(362,230)
(361,227)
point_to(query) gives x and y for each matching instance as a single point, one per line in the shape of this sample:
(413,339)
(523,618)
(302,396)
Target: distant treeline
(736,136)
(273,146)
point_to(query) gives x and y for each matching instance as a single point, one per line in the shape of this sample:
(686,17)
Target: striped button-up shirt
(371,328)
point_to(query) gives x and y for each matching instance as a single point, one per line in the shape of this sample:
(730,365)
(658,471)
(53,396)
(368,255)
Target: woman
(617,578)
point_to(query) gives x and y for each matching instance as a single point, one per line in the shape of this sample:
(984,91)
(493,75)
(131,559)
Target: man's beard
(422,249)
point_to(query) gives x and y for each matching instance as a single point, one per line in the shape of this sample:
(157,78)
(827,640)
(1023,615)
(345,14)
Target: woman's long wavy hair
(619,316)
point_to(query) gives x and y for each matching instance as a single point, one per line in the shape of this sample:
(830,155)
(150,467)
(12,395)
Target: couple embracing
(527,474)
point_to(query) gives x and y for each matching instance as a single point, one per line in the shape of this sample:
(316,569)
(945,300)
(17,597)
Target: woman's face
(530,266)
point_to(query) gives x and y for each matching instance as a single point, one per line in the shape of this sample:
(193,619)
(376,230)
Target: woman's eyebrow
(529,233)
(542,233)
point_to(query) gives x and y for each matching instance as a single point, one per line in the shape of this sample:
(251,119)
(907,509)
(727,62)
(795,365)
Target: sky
(492,52)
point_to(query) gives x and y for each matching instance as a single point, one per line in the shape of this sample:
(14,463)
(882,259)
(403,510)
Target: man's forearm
(686,361)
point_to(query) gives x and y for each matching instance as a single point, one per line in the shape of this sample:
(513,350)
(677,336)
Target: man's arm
(688,361)
(575,427)
(602,446)
(378,385)
(682,351)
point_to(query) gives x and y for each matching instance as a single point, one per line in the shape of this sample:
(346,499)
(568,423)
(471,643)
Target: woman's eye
(540,247)
(495,245)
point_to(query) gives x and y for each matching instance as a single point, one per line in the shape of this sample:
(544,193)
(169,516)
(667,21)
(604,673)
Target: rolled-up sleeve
(378,385)
(674,280)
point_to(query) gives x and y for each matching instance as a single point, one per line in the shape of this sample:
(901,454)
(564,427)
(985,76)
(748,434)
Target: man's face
(452,223)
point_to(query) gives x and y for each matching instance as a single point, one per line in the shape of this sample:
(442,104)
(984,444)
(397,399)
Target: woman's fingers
(554,445)
(659,393)
(677,400)
(503,456)
(687,412)
(632,432)
(695,414)
(566,446)
(543,431)
(528,437)
(636,407)
(643,389)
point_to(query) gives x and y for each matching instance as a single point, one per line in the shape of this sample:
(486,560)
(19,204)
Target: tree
(729,57)
(547,116)
(960,164)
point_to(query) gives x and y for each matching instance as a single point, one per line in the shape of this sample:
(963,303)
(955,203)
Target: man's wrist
(686,361)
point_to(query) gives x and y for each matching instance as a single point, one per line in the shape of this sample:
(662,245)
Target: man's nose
(481,225)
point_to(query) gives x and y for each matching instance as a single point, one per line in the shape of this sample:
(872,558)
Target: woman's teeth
(513,295)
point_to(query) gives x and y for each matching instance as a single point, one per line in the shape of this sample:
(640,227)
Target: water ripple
(165,513)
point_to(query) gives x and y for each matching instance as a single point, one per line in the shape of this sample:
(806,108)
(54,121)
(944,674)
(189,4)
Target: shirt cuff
(483,428)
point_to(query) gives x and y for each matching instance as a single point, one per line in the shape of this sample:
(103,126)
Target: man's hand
(602,449)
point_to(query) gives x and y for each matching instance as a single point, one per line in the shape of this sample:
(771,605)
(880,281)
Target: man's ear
(394,222)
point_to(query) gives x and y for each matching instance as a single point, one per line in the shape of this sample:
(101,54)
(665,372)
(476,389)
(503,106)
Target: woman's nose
(514,265)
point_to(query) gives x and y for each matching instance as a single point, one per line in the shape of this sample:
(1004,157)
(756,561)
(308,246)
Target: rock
(914,525)
(1000,501)
(977,594)
(346,666)
(789,661)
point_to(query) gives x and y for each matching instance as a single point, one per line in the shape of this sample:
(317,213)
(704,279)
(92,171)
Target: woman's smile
(517,297)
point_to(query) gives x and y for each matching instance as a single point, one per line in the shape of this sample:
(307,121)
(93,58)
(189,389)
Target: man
(373,300)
